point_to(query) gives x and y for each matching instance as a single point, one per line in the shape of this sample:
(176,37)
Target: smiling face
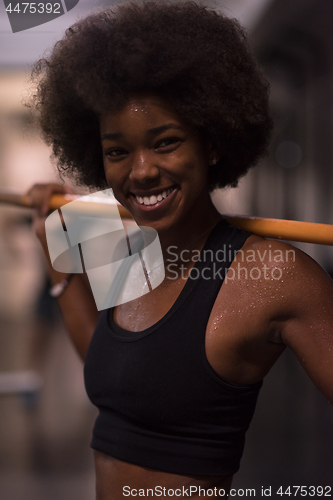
(156,164)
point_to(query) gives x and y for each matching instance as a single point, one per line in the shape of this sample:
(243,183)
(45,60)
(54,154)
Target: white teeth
(152,200)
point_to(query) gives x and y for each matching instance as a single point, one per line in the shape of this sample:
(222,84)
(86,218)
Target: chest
(235,333)
(220,333)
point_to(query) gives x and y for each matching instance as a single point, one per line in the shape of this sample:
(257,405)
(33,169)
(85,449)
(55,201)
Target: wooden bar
(307,232)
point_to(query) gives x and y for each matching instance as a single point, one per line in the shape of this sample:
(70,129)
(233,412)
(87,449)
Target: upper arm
(308,327)
(273,295)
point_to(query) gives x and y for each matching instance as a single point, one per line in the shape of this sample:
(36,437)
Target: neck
(192,232)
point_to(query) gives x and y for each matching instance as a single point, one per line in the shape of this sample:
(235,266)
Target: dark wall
(291,439)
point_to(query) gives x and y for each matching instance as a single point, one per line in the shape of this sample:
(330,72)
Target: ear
(213,155)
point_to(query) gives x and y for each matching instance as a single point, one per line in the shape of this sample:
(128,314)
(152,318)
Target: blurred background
(45,416)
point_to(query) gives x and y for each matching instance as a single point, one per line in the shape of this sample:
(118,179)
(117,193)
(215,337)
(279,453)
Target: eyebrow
(163,128)
(151,131)
(111,137)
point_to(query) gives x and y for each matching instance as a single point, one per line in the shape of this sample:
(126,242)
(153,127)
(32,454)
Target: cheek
(197,163)
(113,173)
(111,181)
(198,172)
(108,176)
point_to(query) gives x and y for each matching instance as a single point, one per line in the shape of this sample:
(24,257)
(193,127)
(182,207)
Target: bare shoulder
(286,280)
(274,263)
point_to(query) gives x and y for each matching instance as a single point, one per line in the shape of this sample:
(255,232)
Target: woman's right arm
(76,301)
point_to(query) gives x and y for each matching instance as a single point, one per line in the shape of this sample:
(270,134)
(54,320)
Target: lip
(159,205)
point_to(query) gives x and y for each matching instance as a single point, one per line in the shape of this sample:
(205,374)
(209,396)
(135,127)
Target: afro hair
(195,58)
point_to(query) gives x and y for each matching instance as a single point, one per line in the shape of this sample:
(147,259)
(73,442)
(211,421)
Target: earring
(214,161)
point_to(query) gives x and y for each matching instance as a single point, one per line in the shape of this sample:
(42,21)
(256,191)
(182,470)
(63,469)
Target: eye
(115,153)
(168,143)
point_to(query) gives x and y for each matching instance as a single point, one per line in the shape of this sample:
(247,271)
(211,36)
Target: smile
(155,198)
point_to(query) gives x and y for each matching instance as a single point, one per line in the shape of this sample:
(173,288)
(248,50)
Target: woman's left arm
(308,331)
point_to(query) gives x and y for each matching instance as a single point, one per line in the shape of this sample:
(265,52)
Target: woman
(163,103)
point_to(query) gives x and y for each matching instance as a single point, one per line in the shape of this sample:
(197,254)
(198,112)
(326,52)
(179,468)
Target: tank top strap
(219,251)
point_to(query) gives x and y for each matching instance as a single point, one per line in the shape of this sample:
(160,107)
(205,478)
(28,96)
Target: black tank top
(161,405)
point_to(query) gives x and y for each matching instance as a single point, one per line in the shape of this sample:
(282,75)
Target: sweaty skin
(265,303)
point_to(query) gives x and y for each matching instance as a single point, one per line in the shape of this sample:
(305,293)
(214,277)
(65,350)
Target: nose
(144,169)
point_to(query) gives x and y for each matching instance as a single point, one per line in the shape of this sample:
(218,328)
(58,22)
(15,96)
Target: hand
(39,197)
